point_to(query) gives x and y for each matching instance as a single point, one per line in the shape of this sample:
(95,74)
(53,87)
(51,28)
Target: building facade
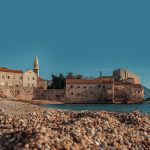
(124,74)
(10,77)
(85,89)
(128,93)
(19,78)
(106,89)
(41,83)
(30,79)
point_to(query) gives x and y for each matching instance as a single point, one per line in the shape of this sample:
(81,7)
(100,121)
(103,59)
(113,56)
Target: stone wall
(27,93)
(115,92)
(128,93)
(50,94)
(17,92)
(89,92)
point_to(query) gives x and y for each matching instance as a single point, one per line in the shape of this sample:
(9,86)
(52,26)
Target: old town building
(124,74)
(41,83)
(10,77)
(85,89)
(105,90)
(30,78)
(122,87)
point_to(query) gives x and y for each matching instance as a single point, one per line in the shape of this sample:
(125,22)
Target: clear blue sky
(81,36)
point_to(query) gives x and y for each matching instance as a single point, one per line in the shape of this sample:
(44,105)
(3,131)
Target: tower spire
(36,66)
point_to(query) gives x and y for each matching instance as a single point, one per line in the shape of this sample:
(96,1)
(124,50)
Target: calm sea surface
(144,108)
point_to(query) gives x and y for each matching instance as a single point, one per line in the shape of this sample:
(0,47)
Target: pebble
(40,128)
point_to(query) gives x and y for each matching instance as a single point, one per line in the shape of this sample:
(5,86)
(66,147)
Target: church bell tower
(36,66)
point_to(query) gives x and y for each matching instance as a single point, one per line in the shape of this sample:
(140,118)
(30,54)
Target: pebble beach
(25,127)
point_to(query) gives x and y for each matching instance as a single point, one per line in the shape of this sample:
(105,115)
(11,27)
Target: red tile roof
(90,81)
(11,71)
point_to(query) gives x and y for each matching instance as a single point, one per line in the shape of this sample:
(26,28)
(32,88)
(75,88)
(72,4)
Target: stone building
(124,74)
(100,89)
(19,78)
(41,83)
(30,79)
(10,77)
(128,93)
(120,88)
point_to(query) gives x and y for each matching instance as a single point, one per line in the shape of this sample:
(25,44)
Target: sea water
(143,108)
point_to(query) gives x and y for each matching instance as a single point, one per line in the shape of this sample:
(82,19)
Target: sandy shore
(26,126)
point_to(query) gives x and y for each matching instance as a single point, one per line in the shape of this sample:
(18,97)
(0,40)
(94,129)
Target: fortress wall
(16,92)
(50,94)
(28,93)
(122,94)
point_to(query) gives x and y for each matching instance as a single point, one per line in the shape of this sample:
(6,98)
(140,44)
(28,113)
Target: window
(71,93)
(84,87)
(71,86)
(57,95)
(3,76)
(78,87)
(8,77)
(33,78)
(78,94)
(91,93)
(20,78)
(98,85)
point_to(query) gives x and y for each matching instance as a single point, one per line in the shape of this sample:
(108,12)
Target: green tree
(58,82)
(79,76)
(70,76)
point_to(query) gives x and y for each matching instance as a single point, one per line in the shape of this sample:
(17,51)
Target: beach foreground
(27,126)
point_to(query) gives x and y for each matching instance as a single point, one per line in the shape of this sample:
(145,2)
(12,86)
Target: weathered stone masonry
(49,94)
(28,93)
(103,90)
(17,92)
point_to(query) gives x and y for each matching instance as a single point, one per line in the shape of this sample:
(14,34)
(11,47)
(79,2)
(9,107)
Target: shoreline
(27,126)
(53,102)
(37,102)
